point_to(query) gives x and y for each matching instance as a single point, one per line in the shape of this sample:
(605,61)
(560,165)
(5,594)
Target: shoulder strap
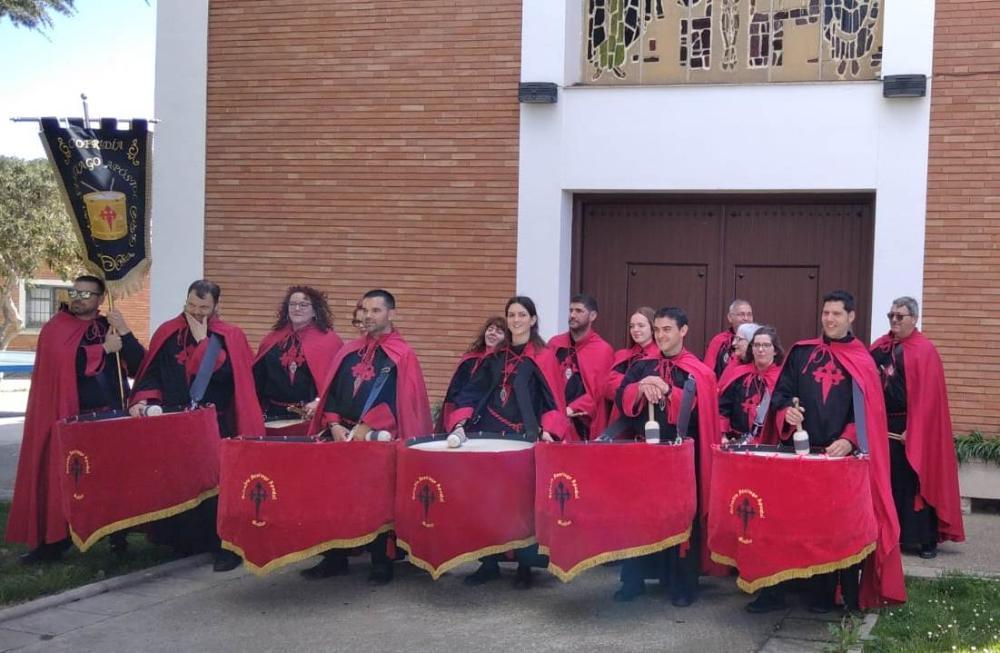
(201,379)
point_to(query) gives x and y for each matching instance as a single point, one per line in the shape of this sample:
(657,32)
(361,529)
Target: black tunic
(282,378)
(353,383)
(99,390)
(675,376)
(893,375)
(569,366)
(739,402)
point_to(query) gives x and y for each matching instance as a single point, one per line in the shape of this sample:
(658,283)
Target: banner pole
(118,357)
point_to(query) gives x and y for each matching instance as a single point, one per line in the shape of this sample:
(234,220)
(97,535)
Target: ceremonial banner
(457,505)
(284,501)
(780,516)
(122,472)
(600,502)
(105,176)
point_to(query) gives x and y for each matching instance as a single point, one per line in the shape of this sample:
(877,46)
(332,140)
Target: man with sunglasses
(75,372)
(921,448)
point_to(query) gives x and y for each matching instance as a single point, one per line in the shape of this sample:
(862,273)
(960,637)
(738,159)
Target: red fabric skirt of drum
(600,502)
(780,517)
(454,506)
(119,473)
(281,502)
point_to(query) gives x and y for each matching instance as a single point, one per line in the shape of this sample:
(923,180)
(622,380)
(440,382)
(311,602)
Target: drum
(775,515)
(600,502)
(287,427)
(122,472)
(457,505)
(282,500)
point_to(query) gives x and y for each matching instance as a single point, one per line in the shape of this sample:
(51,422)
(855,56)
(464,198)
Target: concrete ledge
(101,586)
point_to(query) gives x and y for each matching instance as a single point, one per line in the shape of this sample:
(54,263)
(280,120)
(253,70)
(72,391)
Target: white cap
(746,331)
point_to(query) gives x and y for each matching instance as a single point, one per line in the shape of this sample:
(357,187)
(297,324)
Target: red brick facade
(961,272)
(350,148)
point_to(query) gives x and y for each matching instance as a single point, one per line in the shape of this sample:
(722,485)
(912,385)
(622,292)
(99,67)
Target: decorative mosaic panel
(731,41)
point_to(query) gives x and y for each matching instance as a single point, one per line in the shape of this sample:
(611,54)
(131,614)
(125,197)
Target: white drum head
(282,423)
(475,445)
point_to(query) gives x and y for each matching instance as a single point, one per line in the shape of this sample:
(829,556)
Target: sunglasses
(897,316)
(81,294)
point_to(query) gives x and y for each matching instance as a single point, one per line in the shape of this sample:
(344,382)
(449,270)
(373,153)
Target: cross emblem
(258,495)
(749,406)
(76,470)
(562,495)
(109,215)
(426,497)
(828,375)
(746,512)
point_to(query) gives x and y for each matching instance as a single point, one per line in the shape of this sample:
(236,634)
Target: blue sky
(106,50)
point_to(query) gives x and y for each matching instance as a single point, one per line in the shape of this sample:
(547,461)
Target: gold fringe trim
(296,556)
(144,518)
(611,556)
(798,572)
(447,565)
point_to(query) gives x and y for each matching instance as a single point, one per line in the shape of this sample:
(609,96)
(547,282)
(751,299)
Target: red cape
(318,346)
(709,436)
(735,372)
(930,444)
(249,419)
(594,356)
(36,514)
(882,576)
(614,379)
(413,411)
(718,342)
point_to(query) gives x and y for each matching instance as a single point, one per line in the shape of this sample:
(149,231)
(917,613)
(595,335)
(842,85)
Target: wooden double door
(781,253)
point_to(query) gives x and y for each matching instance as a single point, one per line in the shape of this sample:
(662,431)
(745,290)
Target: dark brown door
(659,284)
(786,297)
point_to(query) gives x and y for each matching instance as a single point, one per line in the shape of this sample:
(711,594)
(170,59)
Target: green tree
(34,14)
(34,230)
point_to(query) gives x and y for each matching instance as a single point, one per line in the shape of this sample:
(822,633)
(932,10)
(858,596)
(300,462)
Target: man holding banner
(76,371)
(196,358)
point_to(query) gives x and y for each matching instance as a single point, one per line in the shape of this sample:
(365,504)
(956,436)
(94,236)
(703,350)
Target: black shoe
(765,602)
(486,572)
(523,580)
(328,566)
(928,553)
(629,592)
(119,545)
(226,561)
(380,574)
(682,601)
(47,552)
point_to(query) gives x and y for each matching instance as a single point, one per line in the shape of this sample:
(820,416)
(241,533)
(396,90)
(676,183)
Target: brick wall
(135,308)
(358,146)
(962,274)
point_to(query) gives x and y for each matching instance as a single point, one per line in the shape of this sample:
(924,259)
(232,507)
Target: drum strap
(860,425)
(201,379)
(687,405)
(383,376)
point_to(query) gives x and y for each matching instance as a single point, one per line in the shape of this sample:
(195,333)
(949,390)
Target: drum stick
(800,439)
(652,429)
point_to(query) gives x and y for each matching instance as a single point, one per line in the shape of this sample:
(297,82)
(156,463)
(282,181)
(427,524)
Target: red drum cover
(600,502)
(281,502)
(457,505)
(780,517)
(122,472)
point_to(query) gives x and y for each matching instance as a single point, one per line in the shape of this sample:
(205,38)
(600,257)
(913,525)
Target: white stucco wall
(179,163)
(835,137)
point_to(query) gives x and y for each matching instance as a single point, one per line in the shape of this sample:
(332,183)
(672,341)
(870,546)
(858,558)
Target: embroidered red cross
(109,214)
(828,375)
(749,406)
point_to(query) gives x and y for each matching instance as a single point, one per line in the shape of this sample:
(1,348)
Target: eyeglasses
(762,345)
(81,294)
(897,316)
(301,305)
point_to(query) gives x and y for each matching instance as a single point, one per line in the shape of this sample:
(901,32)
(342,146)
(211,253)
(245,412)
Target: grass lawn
(952,613)
(19,583)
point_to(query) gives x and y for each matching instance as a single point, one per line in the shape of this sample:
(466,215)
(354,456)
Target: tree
(34,14)
(34,229)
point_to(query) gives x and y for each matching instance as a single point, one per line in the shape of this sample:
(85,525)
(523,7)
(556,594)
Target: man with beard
(584,358)
(76,371)
(185,353)
(721,345)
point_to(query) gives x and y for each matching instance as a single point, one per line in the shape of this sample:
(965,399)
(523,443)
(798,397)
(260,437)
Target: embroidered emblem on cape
(563,488)
(746,505)
(77,466)
(259,488)
(428,491)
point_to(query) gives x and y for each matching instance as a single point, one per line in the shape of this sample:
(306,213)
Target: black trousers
(917,528)
(675,571)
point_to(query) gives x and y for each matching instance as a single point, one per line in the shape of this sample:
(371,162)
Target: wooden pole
(118,356)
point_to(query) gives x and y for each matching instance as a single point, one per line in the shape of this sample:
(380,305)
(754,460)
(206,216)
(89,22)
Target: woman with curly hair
(294,359)
(491,336)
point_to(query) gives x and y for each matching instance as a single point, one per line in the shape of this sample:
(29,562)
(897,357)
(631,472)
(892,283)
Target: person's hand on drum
(839,448)
(654,389)
(310,409)
(794,415)
(339,433)
(137,409)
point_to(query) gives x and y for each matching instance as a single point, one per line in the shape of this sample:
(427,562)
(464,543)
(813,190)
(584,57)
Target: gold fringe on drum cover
(801,572)
(612,556)
(447,565)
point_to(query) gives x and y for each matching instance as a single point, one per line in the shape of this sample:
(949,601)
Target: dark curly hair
(321,310)
(480,343)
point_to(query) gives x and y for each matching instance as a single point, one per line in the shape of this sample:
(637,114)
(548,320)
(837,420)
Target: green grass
(19,583)
(952,613)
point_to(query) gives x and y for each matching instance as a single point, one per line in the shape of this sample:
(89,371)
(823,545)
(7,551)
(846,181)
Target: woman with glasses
(492,335)
(294,358)
(745,384)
